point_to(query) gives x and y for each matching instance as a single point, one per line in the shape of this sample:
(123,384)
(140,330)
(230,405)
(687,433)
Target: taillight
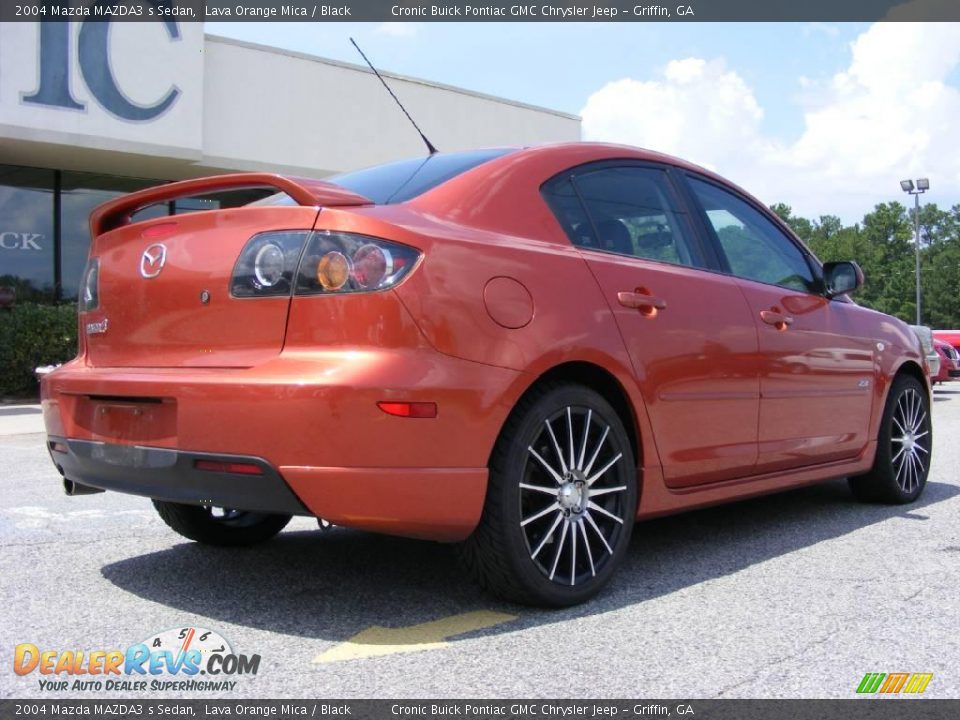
(333,262)
(90,288)
(268,264)
(345,262)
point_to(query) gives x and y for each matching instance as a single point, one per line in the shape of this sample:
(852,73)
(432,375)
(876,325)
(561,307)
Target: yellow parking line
(377,640)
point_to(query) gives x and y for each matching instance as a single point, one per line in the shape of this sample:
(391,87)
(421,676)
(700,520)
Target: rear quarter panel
(564,317)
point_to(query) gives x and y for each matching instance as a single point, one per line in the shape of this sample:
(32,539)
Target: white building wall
(273,108)
(238,107)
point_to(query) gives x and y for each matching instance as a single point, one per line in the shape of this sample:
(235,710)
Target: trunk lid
(165,284)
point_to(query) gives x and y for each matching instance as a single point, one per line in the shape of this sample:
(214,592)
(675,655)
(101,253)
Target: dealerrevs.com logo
(178,660)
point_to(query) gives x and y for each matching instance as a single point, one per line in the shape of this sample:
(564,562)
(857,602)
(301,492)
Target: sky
(824,117)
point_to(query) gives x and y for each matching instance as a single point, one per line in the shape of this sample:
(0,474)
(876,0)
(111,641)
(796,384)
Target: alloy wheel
(572,496)
(910,441)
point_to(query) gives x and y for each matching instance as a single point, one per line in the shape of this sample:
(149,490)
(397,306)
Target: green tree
(883,245)
(940,266)
(800,225)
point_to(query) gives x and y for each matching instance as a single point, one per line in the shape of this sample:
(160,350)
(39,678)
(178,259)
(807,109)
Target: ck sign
(93,56)
(20,241)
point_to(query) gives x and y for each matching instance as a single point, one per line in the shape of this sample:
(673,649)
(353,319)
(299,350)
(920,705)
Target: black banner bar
(480,11)
(856,709)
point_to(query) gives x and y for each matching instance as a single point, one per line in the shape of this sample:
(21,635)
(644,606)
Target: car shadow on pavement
(331,585)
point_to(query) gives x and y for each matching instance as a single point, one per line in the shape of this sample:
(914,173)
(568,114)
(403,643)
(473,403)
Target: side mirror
(840,278)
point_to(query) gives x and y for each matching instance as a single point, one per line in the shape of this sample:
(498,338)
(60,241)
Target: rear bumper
(172,475)
(312,423)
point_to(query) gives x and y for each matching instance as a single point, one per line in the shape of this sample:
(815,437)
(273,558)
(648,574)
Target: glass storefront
(27,237)
(44,232)
(79,194)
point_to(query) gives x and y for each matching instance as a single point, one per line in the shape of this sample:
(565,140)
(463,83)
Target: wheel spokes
(593,506)
(546,466)
(593,524)
(910,427)
(556,447)
(586,544)
(583,445)
(559,470)
(900,427)
(593,458)
(547,536)
(552,506)
(921,419)
(540,489)
(900,469)
(556,557)
(901,451)
(607,491)
(593,478)
(573,556)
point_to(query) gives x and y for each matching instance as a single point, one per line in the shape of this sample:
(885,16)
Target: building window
(45,232)
(27,232)
(79,194)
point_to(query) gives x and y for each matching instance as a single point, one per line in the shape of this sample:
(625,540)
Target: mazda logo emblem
(152,260)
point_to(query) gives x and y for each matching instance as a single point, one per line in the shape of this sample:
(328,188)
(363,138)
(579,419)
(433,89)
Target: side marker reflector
(409,409)
(228,467)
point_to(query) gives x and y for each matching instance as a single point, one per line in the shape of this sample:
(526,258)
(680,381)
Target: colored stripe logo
(894,683)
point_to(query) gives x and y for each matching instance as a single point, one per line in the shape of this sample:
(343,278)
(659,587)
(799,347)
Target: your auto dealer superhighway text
(553,11)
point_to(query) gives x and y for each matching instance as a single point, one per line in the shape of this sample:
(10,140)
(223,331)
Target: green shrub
(33,335)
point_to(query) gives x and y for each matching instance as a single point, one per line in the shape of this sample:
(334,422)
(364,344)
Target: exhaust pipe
(72,488)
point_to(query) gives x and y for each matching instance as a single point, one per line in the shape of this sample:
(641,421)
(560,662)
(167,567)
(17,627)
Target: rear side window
(756,249)
(624,210)
(565,204)
(404,180)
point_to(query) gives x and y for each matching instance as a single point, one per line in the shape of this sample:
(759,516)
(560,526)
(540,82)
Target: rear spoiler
(304,191)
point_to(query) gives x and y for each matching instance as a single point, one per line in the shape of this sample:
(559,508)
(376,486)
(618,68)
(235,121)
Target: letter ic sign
(93,56)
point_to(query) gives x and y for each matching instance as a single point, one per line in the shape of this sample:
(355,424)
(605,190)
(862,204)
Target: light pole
(923,184)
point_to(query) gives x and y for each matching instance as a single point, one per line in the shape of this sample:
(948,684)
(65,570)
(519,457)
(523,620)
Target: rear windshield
(405,179)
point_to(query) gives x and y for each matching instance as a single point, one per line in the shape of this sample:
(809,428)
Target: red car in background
(949,361)
(520,350)
(948,336)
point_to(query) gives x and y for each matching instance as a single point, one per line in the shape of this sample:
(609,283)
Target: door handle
(776,318)
(642,300)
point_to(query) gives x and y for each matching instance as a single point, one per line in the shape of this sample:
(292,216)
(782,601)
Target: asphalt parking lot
(796,595)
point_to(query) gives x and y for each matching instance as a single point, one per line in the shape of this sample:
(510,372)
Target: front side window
(755,248)
(623,210)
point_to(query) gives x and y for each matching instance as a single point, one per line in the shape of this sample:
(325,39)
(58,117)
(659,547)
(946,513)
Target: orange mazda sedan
(522,351)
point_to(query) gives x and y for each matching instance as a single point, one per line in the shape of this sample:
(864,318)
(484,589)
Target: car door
(816,371)
(689,331)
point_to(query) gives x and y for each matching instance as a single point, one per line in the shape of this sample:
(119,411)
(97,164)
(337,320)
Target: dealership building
(92,110)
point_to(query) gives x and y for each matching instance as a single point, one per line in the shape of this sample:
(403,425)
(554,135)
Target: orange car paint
(722,405)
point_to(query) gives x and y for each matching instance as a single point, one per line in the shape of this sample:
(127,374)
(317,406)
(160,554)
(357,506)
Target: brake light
(322,262)
(90,288)
(268,264)
(345,263)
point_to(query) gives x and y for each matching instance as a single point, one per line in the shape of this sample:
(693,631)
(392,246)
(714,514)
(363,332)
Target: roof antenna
(426,142)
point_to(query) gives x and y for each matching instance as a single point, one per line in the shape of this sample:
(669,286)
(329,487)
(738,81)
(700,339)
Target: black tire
(505,556)
(230,528)
(904,447)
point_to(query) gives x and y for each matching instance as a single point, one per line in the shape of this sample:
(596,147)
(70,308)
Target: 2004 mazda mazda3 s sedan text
(522,351)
